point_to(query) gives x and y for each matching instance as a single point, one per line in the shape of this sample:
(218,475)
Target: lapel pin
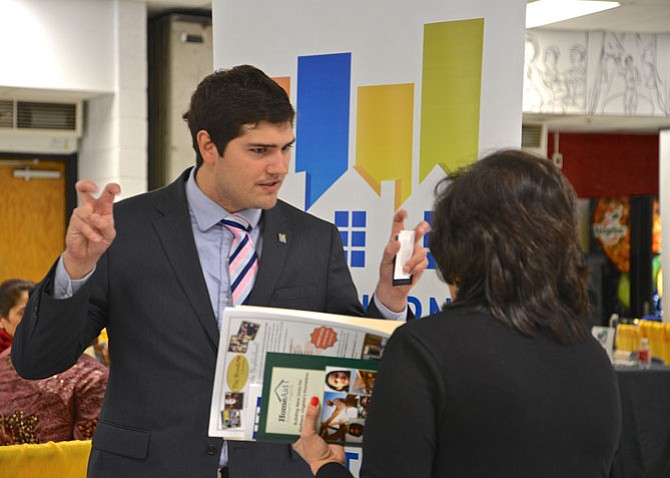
(282,237)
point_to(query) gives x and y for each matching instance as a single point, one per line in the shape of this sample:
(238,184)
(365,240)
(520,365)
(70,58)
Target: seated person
(5,338)
(63,407)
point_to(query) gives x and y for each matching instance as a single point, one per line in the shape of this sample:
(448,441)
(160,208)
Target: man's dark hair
(505,232)
(227,99)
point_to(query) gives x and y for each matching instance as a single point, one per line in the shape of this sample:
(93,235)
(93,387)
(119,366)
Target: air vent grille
(532,135)
(6,114)
(22,115)
(32,115)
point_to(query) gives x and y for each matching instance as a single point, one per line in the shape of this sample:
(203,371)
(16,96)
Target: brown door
(32,218)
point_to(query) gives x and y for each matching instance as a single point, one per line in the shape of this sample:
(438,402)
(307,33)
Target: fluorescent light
(544,12)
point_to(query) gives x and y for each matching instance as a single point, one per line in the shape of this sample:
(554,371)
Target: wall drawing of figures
(555,72)
(597,73)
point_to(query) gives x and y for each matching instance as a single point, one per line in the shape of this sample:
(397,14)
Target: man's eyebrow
(268,145)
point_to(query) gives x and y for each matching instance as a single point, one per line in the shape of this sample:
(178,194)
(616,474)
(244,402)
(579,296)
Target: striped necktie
(242,262)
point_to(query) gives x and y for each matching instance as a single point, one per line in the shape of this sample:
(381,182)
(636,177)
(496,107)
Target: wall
(57,44)
(180,55)
(89,50)
(600,164)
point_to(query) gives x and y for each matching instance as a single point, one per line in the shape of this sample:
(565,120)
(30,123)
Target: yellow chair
(66,459)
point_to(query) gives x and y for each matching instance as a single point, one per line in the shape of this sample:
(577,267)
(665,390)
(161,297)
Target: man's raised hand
(91,229)
(395,297)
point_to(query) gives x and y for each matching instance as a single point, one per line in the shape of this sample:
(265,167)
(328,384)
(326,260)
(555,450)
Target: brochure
(294,352)
(342,385)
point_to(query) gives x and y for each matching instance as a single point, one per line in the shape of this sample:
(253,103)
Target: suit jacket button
(211,449)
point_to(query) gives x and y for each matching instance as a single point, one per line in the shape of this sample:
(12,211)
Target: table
(645,439)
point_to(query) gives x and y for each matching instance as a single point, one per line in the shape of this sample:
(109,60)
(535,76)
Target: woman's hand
(311,447)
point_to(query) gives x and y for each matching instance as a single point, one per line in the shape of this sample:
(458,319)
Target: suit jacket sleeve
(54,332)
(333,470)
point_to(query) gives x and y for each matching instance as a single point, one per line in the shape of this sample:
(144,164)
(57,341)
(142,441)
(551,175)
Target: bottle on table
(644,354)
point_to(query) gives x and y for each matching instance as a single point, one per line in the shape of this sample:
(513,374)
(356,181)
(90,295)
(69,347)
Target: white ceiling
(641,16)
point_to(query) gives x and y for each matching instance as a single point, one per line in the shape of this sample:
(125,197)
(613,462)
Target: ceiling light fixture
(544,12)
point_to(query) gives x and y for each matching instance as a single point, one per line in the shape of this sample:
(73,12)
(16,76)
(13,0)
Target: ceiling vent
(534,138)
(24,116)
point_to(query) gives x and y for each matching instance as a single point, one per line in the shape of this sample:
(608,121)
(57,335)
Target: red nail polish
(315,401)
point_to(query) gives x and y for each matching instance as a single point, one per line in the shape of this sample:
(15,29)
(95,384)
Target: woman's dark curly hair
(505,233)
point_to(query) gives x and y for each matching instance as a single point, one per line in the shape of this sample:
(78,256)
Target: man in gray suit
(152,269)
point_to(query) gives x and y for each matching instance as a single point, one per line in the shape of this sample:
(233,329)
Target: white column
(664,198)
(115,145)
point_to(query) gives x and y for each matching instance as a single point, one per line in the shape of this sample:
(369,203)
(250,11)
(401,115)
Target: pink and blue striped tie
(242,262)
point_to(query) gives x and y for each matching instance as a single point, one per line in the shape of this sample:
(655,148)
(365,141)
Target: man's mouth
(272,185)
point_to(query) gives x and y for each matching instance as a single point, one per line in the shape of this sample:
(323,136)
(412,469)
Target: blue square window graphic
(357,258)
(342,219)
(351,225)
(358,219)
(358,239)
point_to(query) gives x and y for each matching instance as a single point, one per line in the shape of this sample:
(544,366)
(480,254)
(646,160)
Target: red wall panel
(609,164)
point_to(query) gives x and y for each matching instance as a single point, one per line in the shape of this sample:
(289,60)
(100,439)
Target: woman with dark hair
(13,300)
(506,381)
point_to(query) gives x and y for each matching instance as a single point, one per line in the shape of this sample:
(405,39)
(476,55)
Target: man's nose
(279,163)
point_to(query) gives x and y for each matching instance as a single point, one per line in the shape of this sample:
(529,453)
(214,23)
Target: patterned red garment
(5,340)
(63,407)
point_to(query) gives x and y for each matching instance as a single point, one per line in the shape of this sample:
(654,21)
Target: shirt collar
(208,213)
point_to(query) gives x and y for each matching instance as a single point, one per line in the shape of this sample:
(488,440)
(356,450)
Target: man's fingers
(91,225)
(419,255)
(398,223)
(421,230)
(106,199)
(418,262)
(103,204)
(393,247)
(83,223)
(85,190)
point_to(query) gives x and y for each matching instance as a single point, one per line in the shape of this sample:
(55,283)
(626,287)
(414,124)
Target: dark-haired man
(153,269)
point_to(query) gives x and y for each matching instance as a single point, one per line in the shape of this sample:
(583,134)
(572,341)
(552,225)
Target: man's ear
(206,146)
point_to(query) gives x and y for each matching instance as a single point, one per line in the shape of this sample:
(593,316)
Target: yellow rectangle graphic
(384,128)
(450,94)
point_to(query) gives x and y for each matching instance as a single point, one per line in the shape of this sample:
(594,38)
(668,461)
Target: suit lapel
(276,240)
(176,235)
